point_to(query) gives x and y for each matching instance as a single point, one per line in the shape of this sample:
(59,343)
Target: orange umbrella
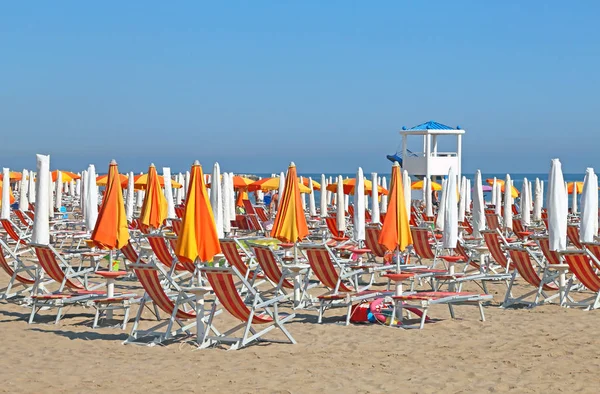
(140,182)
(154,208)
(349,187)
(111,230)
(418,185)
(578,185)
(14,176)
(198,235)
(290,222)
(66,176)
(102,180)
(316,185)
(241,196)
(12,197)
(395,232)
(513,191)
(239,182)
(267,184)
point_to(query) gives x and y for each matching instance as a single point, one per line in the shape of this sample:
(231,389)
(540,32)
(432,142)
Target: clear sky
(327,84)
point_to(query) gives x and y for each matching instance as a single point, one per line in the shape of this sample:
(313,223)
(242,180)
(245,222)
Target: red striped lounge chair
(491,219)
(584,265)
(573,235)
(339,279)
(180,211)
(176,225)
(15,269)
(261,213)
(231,248)
(492,241)
(528,270)
(161,251)
(421,245)
(11,230)
(26,221)
(258,312)
(272,268)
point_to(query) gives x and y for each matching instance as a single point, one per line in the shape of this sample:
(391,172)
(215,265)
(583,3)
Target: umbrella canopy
(395,233)
(407,190)
(130,198)
(154,207)
(5,211)
(315,185)
(323,202)
(478,215)
(557,208)
(111,230)
(350,183)
(462,202)
(359,208)
(538,200)
(498,201)
(574,199)
(588,227)
(198,238)
(514,192)
(494,190)
(23,200)
(441,214)
(272,183)
(225,190)
(418,185)
(216,200)
(450,232)
(508,202)
(141,181)
(340,209)
(102,180)
(384,197)
(525,204)
(41,220)
(13,176)
(91,198)
(65,176)
(375,217)
(428,198)
(576,187)
(312,206)
(169,193)
(58,192)
(290,222)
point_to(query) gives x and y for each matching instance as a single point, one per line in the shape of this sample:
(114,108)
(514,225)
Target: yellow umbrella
(316,185)
(513,190)
(198,235)
(290,222)
(349,184)
(154,208)
(578,185)
(418,185)
(140,182)
(267,184)
(395,233)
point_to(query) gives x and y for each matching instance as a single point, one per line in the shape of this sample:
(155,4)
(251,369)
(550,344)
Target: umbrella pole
(397,257)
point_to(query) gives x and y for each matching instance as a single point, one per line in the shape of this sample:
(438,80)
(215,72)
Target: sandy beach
(544,349)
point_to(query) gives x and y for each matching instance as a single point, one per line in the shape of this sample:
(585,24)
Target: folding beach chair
(573,235)
(231,249)
(180,211)
(491,219)
(19,237)
(341,280)
(25,220)
(492,241)
(372,233)
(585,267)
(332,227)
(273,268)
(257,312)
(421,245)
(523,265)
(161,251)
(16,268)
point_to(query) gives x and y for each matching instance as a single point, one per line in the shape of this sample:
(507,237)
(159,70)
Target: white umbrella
(41,221)
(23,201)
(281,187)
(508,214)
(494,192)
(260,195)
(463,200)
(59,189)
(129,198)
(302,196)
(5,212)
(78,186)
(574,199)
(450,229)
(384,198)
(224,204)
(537,201)
(407,191)
(498,201)
(441,214)
(66,187)
(168,192)
(216,198)
(91,199)
(179,192)
(231,204)
(51,197)
(139,198)
(359,206)
(557,208)
(72,188)
(312,207)
(375,217)
(346,201)
(478,207)
(588,228)
(330,195)
(428,202)
(31,188)
(469,200)
(525,203)
(323,204)
(340,209)
(82,197)
(187,181)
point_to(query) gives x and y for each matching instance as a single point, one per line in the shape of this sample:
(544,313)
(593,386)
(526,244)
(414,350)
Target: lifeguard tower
(431,162)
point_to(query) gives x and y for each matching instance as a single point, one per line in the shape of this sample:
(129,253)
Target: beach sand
(548,348)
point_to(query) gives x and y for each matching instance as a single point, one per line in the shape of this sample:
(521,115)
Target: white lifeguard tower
(431,162)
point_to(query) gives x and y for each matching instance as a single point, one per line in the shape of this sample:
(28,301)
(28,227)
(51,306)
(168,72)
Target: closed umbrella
(139,198)
(375,218)
(441,214)
(41,220)
(130,198)
(340,215)
(407,191)
(574,201)
(428,202)
(359,208)
(478,217)
(216,199)
(281,187)
(557,208)
(51,187)
(224,201)
(323,197)
(290,221)
(525,203)
(508,214)
(303,197)
(5,210)
(494,192)
(537,201)
(395,232)
(450,229)
(169,193)
(463,200)
(312,208)
(187,182)
(23,200)
(498,201)
(469,199)
(31,188)
(91,198)
(384,197)
(231,204)
(78,187)
(154,208)
(588,228)
(58,190)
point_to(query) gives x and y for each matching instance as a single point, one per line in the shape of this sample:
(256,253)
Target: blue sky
(327,84)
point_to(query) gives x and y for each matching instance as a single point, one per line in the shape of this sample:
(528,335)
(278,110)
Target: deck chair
(231,247)
(16,268)
(179,211)
(480,273)
(520,231)
(13,233)
(491,219)
(58,269)
(161,251)
(25,220)
(261,213)
(421,245)
(274,269)
(585,266)
(573,235)
(332,227)
(523,266)
(176,225)
(492,241)
(372,233)
(339,279)
(257,312)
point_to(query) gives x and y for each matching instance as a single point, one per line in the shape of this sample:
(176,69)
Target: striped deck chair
(26,221)
(520,231)
(339,279)
(421,245)
(180,211)
(15,269)
(552,257)
(337,235)
(573,235)
(179,306)
(257,312)
(261,213)
(30,213)
(492,221)
(467,227)
(372,242)
(492,241)
(585,266)
(59,270)
(248,207)
(521,259)
(480,274)
(176,225)
(230,247)
(241,223)
(11,230)
(160,248)
(272,268)
(254,224)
